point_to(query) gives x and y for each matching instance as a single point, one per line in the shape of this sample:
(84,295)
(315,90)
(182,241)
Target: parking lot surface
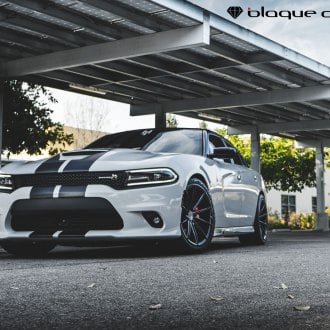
(228,287)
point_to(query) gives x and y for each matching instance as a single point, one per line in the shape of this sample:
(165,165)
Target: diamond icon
(234,12)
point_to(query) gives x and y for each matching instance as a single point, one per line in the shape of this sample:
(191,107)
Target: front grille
(74,215)
(116,180)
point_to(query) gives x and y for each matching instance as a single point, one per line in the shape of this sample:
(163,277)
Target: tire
(28,249)
(260,235)
(197,217)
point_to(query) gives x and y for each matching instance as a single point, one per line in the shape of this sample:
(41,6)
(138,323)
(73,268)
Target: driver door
(229,177)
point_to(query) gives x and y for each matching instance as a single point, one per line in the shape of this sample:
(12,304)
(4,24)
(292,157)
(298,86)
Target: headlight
(150,177)
(6,183)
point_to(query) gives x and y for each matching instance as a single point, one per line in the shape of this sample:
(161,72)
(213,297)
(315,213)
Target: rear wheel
(28,249)
(197,217)
(260,235)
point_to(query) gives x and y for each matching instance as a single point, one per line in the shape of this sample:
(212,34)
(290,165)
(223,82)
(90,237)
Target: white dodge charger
(187,185)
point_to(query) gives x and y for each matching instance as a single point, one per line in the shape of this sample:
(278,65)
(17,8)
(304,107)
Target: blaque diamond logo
(234,11)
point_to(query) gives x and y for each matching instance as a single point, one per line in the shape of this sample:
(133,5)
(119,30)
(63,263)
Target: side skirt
(233,231)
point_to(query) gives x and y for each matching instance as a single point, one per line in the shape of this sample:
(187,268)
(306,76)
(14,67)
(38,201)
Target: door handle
(239,177)
(255,178)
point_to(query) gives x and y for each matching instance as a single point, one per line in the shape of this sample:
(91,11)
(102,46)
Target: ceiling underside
(227,66)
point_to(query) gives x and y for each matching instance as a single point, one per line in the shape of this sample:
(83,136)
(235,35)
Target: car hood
(91,160)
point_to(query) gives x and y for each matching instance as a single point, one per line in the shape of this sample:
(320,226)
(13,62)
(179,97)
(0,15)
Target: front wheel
(260,235)
(197,217)
(28,249)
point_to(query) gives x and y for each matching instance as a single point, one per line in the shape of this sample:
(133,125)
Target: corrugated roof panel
(286,65)
(86,9)
(143,5)
(168,58)
(235,43)
(308,74)
(175,18)
(266,75)
(241,82)
(16,28)
(204,52)
(134,27)
(40,16)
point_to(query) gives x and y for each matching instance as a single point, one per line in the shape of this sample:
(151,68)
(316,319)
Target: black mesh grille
(75,215)
(116,179)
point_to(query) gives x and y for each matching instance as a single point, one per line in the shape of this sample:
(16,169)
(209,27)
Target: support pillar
(160,120)
(1,116)
(255,150)
(322,221)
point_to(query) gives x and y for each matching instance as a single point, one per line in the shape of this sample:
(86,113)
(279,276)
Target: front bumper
(128,204)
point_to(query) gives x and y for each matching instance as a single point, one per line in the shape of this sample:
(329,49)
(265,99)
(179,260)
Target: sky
(309,36)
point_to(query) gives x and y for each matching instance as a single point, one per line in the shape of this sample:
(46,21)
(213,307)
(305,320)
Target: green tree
(171,121)
(27,123)
(283,166)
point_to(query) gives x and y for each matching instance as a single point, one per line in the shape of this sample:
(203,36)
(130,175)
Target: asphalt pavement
(228,287)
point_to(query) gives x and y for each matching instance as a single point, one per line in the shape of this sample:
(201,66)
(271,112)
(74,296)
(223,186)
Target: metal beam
(59,84)
(1,117)
(238,100)
(293,126)
(255,150)
(310,143)
(137,74)
(322,222)
(110,51)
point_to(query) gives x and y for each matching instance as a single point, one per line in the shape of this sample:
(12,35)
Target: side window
(288,205)
(239,160)
(215,142)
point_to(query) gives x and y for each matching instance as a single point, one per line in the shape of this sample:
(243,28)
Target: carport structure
(170,56)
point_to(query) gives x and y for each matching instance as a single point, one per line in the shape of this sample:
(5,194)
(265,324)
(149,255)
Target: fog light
(153,219)
(156,220)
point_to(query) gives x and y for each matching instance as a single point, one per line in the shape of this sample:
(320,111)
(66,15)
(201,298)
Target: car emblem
(113,177)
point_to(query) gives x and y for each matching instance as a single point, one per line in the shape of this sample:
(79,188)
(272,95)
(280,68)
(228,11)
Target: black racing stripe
(83,164)
(50,165)
(42,192)
(72,191)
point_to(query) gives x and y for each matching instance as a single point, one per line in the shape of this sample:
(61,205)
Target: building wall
(303,199)
(81,137)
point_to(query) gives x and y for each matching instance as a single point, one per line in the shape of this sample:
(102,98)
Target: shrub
(327,211)
(275,221)
(292,221)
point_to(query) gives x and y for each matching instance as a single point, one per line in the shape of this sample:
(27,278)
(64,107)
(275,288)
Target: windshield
(185,141)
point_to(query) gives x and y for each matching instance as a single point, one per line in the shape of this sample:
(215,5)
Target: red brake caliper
(195,210)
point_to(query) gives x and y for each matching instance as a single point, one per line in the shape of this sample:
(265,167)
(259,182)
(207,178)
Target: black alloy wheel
(260,235)
(197,217)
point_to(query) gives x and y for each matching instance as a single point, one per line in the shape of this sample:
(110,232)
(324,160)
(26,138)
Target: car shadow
(132,251)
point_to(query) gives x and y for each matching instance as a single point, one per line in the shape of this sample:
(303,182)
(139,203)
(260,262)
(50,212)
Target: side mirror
(224,153)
